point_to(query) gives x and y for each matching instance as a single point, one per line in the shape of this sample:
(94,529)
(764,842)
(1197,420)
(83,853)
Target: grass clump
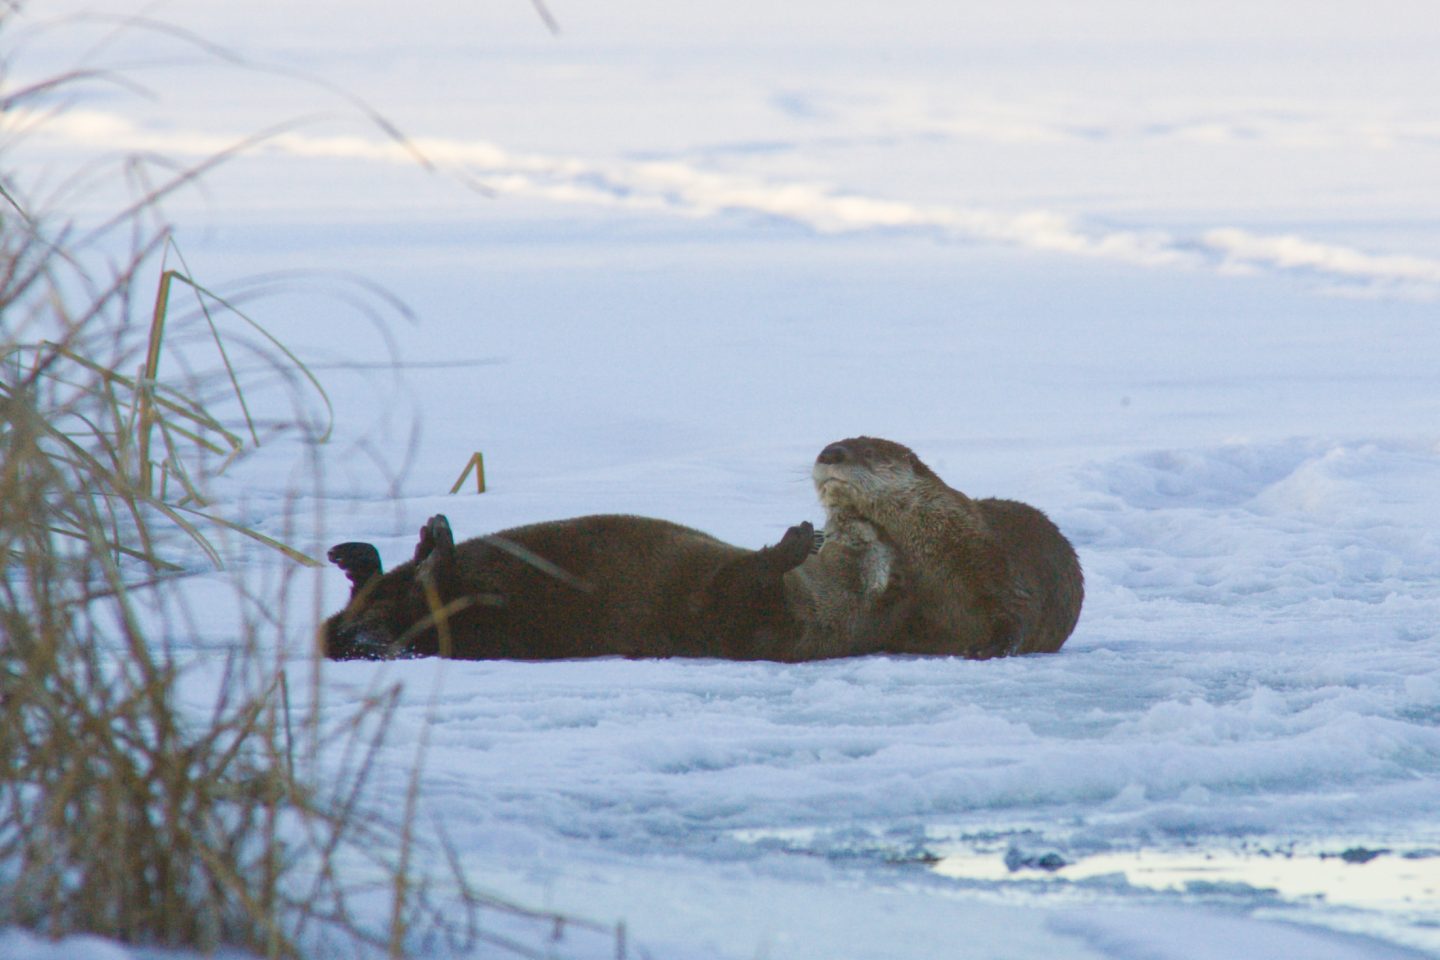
(124,813)
(126,810)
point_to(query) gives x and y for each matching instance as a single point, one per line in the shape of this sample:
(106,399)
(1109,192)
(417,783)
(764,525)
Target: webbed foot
(359,561)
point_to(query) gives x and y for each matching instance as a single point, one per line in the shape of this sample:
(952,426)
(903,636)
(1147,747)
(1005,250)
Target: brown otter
(981,578)
(587,587)
(852,597)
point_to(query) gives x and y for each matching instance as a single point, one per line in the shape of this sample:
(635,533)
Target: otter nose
(835,453)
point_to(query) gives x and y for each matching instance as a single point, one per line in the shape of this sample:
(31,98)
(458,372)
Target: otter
(852,596)
(586,587)
(943,573)
(906,565)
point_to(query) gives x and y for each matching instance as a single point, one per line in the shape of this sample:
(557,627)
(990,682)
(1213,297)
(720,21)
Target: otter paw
(435,535)
(359,561)
(438,530)
(797,544)
(1004,641)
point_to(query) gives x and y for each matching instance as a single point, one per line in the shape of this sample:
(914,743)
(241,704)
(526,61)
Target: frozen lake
(1168,272)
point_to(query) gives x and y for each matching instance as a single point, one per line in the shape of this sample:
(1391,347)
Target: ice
(1167,273)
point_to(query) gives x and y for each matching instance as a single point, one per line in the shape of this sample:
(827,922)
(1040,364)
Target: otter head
(852,475)
(390,614)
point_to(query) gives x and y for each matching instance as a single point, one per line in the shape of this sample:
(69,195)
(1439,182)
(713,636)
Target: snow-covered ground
(1168,271)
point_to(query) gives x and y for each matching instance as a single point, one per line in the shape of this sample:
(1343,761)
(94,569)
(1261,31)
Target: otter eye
(835,453)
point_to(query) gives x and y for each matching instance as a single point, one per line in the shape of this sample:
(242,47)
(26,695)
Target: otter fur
(591,586)
(955,575)
(852,597)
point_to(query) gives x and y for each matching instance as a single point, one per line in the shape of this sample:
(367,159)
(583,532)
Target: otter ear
(436,547)
(360,561)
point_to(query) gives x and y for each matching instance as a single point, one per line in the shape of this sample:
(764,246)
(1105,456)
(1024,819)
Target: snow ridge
(684,189)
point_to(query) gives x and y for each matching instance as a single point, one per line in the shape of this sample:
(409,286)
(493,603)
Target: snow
(1166,271)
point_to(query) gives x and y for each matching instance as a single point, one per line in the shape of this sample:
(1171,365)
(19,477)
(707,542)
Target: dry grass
(120,813)
(124,812)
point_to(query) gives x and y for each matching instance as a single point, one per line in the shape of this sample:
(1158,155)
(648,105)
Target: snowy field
(1169,272)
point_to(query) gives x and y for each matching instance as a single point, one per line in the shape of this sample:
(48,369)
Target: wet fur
(592,586)
(908,565)
(852,597)
(978,578)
